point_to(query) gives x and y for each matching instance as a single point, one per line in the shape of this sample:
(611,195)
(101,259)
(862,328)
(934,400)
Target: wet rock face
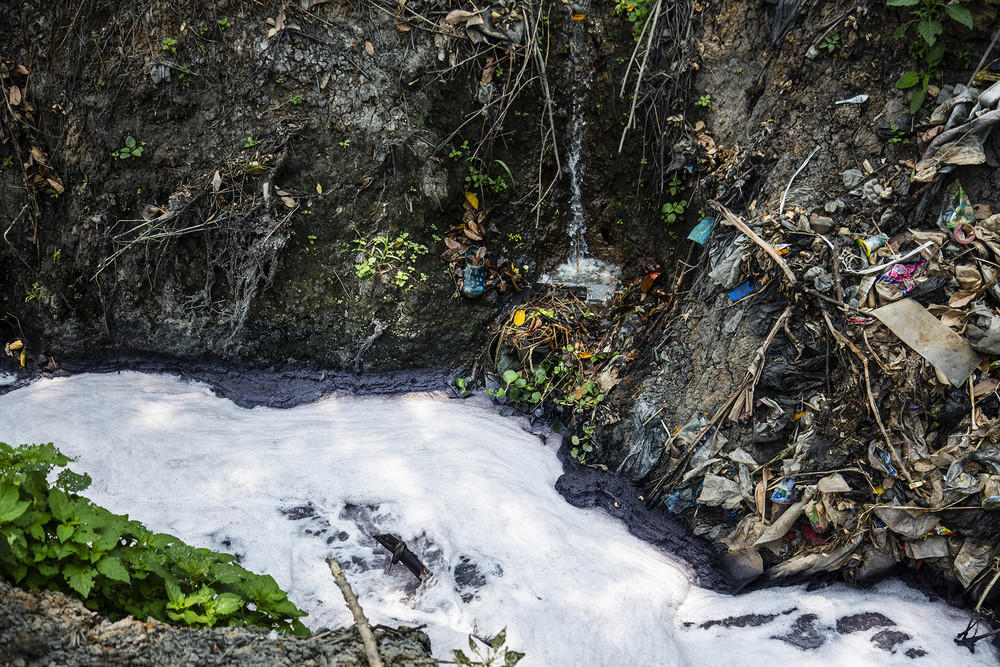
(45,628)
(228,175)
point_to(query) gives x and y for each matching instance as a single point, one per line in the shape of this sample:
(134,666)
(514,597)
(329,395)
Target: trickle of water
(596,276)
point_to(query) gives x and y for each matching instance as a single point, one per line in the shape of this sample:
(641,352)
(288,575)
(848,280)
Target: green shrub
(52,538)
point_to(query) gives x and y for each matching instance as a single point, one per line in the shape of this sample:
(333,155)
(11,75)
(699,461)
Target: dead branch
(371,647)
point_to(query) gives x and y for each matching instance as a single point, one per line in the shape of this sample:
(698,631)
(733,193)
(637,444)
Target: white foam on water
(469,491)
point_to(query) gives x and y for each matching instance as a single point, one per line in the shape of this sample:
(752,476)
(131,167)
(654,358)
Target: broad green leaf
(960,14)
(908,80)
(112,568)
(929,30)
(10,507)
(64,531)
(499,640)
(509,376)
(80,578)
(59,504)
(512,658)
(228,603)
(918,99)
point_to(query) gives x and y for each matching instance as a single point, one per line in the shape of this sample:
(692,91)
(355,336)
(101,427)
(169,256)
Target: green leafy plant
(169,44)
(296,99)
(32,292)
(671,212)
(391,258)
(705,101)
(55,539)
(635,12)
(129,150)
(831,42)
(582,445)
(493,654)
(224,24)
(926,18)
(346,143)
(57,255)
(250,142)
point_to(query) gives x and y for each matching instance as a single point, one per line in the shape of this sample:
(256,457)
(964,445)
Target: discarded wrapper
(943,348)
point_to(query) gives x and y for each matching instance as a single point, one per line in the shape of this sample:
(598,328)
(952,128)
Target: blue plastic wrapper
(783,492)
(743,290)
(702,231)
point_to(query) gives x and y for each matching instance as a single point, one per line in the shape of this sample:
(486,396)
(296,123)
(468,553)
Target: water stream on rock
(472,493)
(580,270)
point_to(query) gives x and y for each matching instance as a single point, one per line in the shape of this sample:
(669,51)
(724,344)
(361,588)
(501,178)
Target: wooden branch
(371,647)
(768,248)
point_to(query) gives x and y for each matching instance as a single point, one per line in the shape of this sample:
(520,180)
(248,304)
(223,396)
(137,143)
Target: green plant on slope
(926,18)
(53,538)
(393,258)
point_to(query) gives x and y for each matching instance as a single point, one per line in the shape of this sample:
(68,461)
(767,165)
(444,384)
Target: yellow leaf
(319,189)
(579,17)
(473,199)
(584,355)
(24,357)
(518,318)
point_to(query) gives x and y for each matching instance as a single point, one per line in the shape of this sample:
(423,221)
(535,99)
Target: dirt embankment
(777,412)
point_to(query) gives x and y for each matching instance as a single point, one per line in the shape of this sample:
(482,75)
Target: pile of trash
(866,431)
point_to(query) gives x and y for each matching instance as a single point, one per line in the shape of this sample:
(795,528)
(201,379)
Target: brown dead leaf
(401,25)
(15,96)
(473,232)
(987,386)
(37,155)
(369,48)
(458,16)
(452,243)
(288,201)
(55,185)
(961,298)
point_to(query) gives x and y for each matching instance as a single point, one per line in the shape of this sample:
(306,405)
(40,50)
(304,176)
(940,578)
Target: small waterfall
(579,269)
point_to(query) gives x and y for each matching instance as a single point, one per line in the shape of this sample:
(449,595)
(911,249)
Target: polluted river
(473,495)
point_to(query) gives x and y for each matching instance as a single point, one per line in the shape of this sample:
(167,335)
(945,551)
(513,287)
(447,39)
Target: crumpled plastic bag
(972,558)
(646,447)
(726,271)
(983,330)
(720,491)
(904,523)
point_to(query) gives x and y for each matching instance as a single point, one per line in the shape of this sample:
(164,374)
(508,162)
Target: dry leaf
(579,17)
(401,25)
(319,189)
(452,243)
(472,199)
(961,298)
(15,96)
(37,155)
(987,386)
(518,318)
(458,16)
(216,181)
(55,185)
(369,48)
(288,201)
